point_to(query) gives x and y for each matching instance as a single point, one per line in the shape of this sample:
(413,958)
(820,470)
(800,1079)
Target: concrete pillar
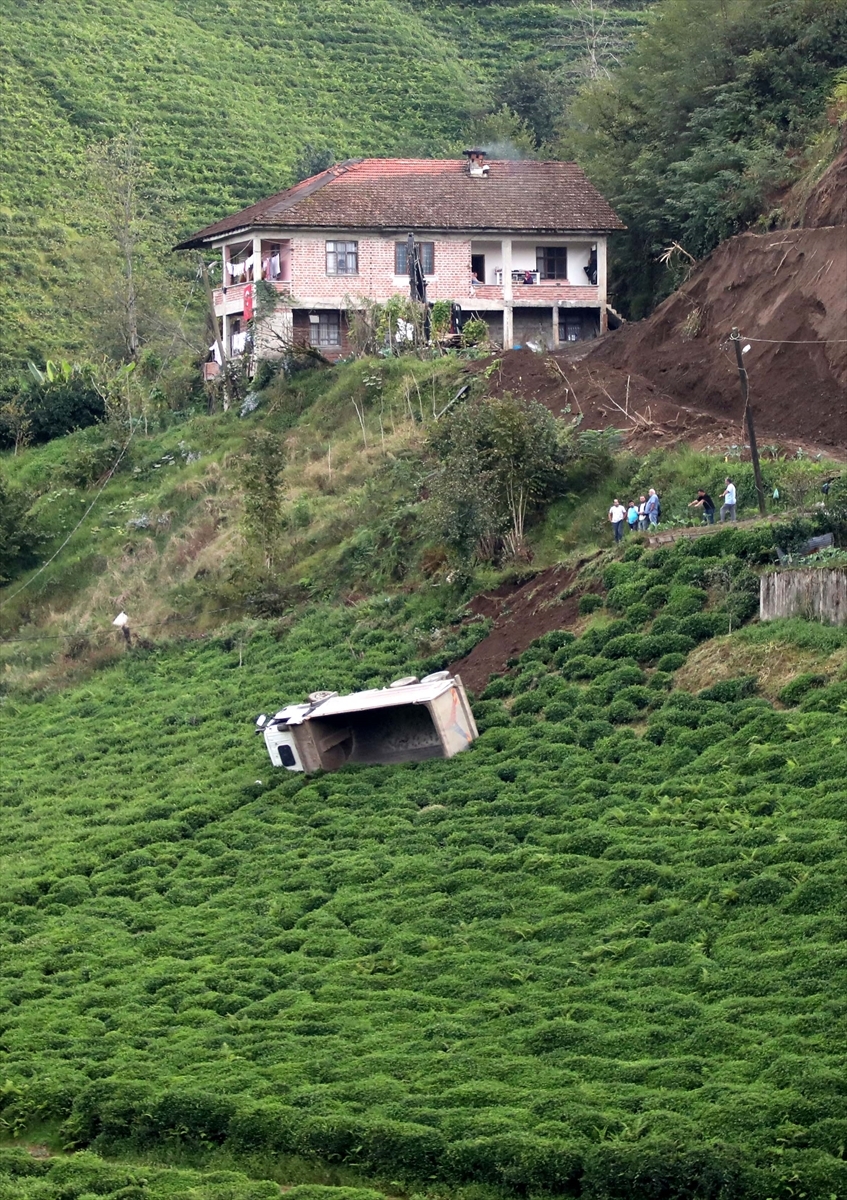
(602,275)
(508,323)
(224,268)
(225,333)
(508,328)
(506,248)
(555,341)
(257,258)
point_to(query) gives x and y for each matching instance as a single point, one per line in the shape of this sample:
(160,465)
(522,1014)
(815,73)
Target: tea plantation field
(602,954)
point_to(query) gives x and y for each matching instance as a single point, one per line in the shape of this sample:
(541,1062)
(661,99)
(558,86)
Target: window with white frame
(342,258)
(426,251)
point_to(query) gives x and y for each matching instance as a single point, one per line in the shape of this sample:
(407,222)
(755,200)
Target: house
(521,244)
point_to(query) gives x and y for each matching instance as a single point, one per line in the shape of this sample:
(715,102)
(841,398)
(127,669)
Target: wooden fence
(816,594)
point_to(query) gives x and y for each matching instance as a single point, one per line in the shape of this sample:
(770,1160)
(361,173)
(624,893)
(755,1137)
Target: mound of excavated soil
(787,293)
(604,396)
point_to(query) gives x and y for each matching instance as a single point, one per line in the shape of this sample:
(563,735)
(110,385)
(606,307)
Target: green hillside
(600,954)
(224,101)
(230,104)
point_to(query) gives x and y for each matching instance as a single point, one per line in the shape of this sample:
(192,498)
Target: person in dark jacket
(705,501)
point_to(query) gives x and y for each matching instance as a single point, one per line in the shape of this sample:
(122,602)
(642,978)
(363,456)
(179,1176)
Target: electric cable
(790,342)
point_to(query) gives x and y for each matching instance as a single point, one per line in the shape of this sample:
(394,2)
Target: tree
(19,533)
(504,134)
(129,288)
(50,403)
(526,91)
(499,458)
(311,160)
(597,38)
(261,475)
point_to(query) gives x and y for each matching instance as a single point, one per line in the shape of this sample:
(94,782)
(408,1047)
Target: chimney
(476,161)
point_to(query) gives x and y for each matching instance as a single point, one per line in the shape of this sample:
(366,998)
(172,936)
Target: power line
(56,553)
(789,342)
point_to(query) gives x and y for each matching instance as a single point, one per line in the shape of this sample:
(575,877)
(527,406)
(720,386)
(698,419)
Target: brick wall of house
(376,279)
(311,286)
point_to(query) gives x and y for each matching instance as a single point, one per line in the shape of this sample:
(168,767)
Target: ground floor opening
(540,327)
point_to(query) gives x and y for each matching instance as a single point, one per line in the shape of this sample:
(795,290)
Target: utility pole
(735,338)
(210,300)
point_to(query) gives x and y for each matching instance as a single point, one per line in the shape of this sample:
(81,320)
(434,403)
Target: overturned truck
(410,721)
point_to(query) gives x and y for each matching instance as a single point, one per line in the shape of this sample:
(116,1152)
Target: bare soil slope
(787,293)
(522,612)
(601,395)
(827,204)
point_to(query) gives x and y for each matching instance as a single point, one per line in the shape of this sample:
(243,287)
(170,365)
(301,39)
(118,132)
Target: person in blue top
(652,507)
(728,496)
(632,516)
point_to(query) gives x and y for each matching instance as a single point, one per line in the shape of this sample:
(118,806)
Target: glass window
(342,258)
(552,262)
(326,331)
(426,250)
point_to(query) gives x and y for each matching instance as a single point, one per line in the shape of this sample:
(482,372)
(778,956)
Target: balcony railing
(233,297)
(532,278)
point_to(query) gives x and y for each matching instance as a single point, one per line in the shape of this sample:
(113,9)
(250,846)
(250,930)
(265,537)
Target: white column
(508,321)
(257,258)
(508,328)
(506,249)
(555,324)
(224,261)
(602,283)
(225,334)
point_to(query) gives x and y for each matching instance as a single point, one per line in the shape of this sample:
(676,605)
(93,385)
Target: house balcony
(536,293)
(231,299)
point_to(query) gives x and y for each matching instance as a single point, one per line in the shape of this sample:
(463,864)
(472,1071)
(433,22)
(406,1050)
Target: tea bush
(796,690)
(589,603)
(599,954)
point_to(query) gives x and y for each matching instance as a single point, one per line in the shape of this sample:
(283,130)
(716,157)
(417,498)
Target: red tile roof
(433,195)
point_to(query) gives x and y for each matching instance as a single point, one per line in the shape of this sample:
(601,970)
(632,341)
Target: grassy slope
(163,536)
(225,100)
(163,539)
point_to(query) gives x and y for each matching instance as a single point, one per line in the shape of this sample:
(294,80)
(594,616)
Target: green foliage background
(716,110)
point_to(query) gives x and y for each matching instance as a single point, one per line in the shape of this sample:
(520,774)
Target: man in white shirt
(617,516)
(728,497)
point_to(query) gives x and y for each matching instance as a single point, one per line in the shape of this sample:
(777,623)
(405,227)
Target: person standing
(617,516)
(652,507)
(728,495)
(643,519)
(705,501)
(632,516)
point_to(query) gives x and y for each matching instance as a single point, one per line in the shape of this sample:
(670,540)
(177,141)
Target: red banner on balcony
(248,302)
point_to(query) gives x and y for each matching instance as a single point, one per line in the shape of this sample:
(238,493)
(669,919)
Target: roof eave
(198,241)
